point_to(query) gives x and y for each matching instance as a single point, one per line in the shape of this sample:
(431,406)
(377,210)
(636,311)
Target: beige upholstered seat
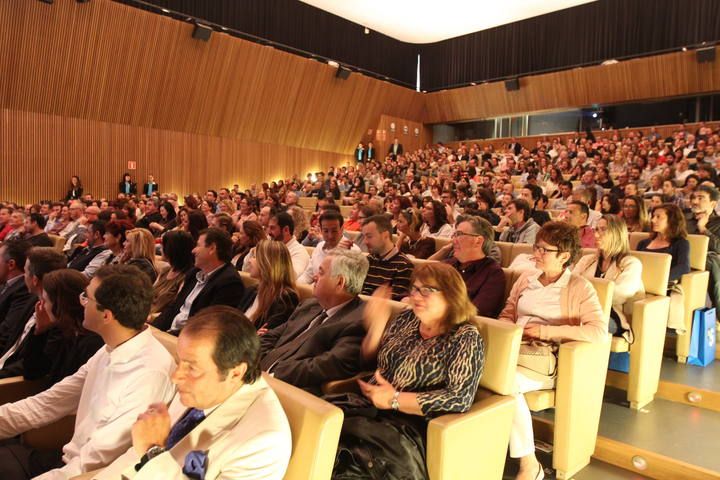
(58,242)
(308,202)
(694,285)
(441,242)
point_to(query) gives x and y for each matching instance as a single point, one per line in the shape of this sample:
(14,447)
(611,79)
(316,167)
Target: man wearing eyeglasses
(483,276)
(704,221)
(106,394)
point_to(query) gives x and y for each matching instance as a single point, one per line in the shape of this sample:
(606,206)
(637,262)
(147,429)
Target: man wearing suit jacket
(396,148)
(214,281)
(14,295)
(320,342)
(370,152)
(151,186)
(514,147)
(359,154)
(225,421)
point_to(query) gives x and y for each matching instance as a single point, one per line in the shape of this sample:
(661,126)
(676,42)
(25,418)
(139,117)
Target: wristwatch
(151,453)
(394,403)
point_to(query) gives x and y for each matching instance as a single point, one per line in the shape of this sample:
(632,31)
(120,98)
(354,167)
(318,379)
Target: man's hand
(702,221)
(151,428)
(532,331)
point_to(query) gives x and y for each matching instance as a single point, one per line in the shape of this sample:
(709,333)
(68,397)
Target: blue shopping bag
(619,361)
(703,337)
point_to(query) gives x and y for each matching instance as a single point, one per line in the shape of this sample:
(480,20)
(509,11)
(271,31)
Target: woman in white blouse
(613,262)
(435,220)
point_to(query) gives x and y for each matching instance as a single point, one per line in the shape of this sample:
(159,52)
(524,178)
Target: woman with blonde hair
(614,262)
(274,299)
(429,361)
(302,227)
(140,251)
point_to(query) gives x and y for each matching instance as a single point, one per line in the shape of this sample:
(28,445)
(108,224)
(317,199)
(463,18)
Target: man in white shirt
(106,394)
(224,410)
(281,227)
(331,224)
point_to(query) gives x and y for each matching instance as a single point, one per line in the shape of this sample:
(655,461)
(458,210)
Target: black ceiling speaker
(202,32)
(342,73)
(512,84)
(705,55)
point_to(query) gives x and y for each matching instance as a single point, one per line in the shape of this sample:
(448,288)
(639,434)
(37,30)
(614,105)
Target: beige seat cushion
(540,400)
(619,345)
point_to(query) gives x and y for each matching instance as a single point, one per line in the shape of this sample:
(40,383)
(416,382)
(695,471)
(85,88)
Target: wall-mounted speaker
(512,84)
(202,32)
(342,73)
(705,55)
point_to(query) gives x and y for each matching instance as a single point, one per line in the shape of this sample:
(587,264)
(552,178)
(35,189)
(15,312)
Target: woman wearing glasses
(635,214)
(429,363)
(552,305)
(614,262)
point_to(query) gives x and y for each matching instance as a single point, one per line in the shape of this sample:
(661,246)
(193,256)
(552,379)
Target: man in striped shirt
(387,265)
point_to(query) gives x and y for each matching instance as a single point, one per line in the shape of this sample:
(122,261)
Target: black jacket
(15,299)
(277,314)
(224,287)
(330,351)
(133,188)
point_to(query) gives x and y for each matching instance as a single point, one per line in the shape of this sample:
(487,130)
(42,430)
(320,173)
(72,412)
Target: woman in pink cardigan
(553,305)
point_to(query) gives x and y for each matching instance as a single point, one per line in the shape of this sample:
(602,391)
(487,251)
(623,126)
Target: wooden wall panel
(40,152)
(383,135)
(660,76)
(109,62)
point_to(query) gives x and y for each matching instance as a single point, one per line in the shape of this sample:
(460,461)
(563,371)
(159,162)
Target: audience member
(517,224)
(387,265)
(213,281)
(578,214)
(281,228)
(669,235)
(635,214)
(139,250)
(14,294)
(120,380)
(220,389)
(177,247)
(320,342)
(436,224)
(704,221)
(331,228)
(409,239)
(95,255)
(35,231)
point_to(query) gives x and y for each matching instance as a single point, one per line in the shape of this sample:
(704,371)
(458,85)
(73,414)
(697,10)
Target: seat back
(346,210)
(308,202)
(502,344)
(304,291)
(604,289)
(58,242)
(698,251)
(168,341)
(655,271)
(315,426)
(505,253)
(441,242)
(518,248)
(635,237)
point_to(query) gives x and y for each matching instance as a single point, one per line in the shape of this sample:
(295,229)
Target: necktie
(316,321)
(185,425)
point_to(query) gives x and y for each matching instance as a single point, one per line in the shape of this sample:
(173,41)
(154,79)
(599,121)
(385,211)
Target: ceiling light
(684,49)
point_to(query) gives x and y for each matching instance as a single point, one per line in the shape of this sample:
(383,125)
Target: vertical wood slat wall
(86,87)
(659,76)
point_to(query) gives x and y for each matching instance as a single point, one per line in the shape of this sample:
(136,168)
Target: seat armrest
(694,285)
(87,476)
(16,388)
(51,437)
(459,446)
(649,322)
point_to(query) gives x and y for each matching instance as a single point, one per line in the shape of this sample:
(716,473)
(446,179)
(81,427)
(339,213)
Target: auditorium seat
(694,285)
(346,210)
(441,242)
(308,203)
(58,242)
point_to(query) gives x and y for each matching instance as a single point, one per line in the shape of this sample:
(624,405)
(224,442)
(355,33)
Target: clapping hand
(381,394)
(151,428)
(43,322)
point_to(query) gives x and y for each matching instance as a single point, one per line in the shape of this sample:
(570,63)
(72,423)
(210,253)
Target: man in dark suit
(151,186)
(321,341)
(214,281)
(514,147)
(370,152)
(396,148)
(359,154)
(14,295)
(152,213)
(34,231)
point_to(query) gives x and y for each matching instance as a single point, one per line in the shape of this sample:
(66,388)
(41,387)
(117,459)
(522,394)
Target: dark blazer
(74,194)
(359,154)
(330,351)
(370,153)
(83,257)
(15,299)
(133,188)
(399,149)
(10,331)
(148,219)
(224,287)
(277,314)
(155,187)
(40,240)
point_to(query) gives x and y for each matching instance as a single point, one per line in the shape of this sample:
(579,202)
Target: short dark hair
(119,228)
(236,340)
(382,222)
(17,251)
(563,236)
(98,226)
(330,216)
(221,240)
(284,219)
(43,260)
(712,192)
(522,206)
(38,219)
(583,207)
(126,292)
(177,247)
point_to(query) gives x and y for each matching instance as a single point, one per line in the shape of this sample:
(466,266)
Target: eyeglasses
(542,250)
(460,234)
(424,292)
(85,299)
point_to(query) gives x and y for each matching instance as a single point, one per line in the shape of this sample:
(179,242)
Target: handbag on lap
(539,357)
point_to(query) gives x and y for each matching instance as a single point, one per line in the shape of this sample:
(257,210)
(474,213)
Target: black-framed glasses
(460,234)
(542,250)
(424,292)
